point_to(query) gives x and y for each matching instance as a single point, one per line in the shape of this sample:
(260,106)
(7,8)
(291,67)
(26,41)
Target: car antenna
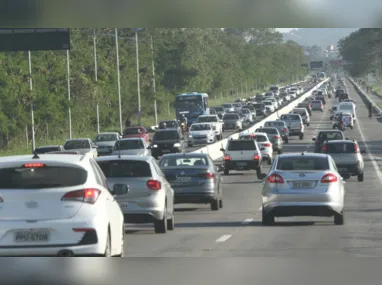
(35,155)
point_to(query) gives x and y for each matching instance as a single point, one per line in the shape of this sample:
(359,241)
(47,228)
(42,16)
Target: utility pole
(32,103)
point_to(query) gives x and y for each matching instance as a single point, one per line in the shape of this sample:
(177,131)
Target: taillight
(256,157)
(356,148)
(329,178)
(300,126)
(207,175)
(277,137)
(285,130)
(266,144)
(34,165)
(275,178)
(227,157)
(89,195)
(154,184)
(324,148)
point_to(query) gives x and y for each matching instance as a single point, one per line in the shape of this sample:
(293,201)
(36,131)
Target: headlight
(190,136)
(155,146)
(177,145)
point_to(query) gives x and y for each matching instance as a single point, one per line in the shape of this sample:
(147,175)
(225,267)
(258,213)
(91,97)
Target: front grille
(199,137)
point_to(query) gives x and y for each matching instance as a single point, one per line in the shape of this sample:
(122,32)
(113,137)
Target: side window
(96,174)
(101,176)
(334,164)
(157,168)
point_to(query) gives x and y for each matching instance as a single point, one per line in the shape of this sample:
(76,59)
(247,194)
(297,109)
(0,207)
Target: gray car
(48,148)
(194,178)
(274,137)
(150,198)
(281,126)
(106,141)
(232,121)
(131,146)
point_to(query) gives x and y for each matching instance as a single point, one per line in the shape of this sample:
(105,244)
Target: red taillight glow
(227,157)
(277,137)
(154,185)
(285,130)
(89,195)
(256,157)
(329,178)
(83,230)
(275,178)
(324,148)
(34,165)
(208,175)
(300,126)
(266,144)
(356,148)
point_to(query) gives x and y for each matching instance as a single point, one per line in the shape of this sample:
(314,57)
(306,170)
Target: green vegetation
(215,61)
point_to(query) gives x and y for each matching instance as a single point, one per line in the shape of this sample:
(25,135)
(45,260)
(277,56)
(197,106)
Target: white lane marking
(247,221)
(372,159)
(260,209)
(224,238)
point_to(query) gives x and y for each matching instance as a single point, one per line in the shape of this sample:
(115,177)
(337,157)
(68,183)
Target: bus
(192,105)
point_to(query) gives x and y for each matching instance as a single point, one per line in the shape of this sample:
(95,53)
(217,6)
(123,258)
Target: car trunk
(300,181)
(186,178)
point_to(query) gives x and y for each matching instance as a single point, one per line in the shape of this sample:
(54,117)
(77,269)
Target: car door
(169,190)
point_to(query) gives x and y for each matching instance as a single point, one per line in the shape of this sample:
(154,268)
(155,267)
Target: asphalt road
(307,86)
(235,247)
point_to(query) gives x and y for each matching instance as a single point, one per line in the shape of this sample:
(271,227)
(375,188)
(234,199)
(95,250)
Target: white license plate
(123,205)
(165,151)
(241,164)
(29,236)
(302,184)
(183,179)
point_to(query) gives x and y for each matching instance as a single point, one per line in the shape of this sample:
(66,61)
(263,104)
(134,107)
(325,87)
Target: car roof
(75,159)
(48,146)
(186,154)
(125,157)
(305,154)
(131,139)
(78,139)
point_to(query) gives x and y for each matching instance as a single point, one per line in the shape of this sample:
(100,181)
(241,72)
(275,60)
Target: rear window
(241,145)
(204,127)
(290,117)
(267,103)
(270,131)
(106,137)
(132,131)
(302,163)
(46,149)
(301,112)
(207,119)
(346,107)
(125,168)
(167,135)
(227,105)
(330,136)
(258,106)
(316,102)
(77,144)
(128,144)
(183,162)
(274,124)
(41,178)
(340,148)
(231,116)
(237,105)
(219,109)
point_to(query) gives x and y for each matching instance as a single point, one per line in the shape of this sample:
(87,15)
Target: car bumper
(201,141)
(295,132)
(194,197)
(346,169)
(291,209)
(277,146)
(241,165)
(145,211)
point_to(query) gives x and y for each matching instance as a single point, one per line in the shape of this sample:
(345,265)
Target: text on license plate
(183,179)
(41,236)
(241,164)
(302,184)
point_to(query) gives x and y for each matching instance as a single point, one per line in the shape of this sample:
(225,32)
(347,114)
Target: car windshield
(231,117)
(125,168)
(267,103)
(241,145)
(41,177)
(106,137)
(207,119)
(203,127)
(270,131)
(132,131)
(245,111)
(183,162)
(316,102)
(77,144)
(330,136)
(128,144)
(302,163)
(166,135)
(340,148)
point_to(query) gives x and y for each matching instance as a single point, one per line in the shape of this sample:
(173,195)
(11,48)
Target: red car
(136,132)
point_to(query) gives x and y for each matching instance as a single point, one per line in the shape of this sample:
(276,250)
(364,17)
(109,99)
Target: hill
(318,36)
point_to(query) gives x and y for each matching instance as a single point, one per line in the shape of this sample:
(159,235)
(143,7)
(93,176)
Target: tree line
(206,60)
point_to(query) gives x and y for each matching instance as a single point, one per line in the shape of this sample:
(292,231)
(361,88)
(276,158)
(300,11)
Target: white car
(275,103)
(58,205)
(293,95)
(201,133)
(269,105)
(265,145)
(216,123)
(85,146)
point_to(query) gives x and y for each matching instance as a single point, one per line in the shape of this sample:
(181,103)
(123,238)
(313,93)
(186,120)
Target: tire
(221,203)
(360,177)
(339,219)
(259,171)
(108,245)
(270,161)
(286,140)
(308,124)
(190,145)
(171,223)
(160,226)
(351,127)
(279,151)
(267,219)
(301,137)
(226,171)
(215,205)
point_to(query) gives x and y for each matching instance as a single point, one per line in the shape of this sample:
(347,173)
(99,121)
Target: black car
(167,141)
(260,109)
(324,136)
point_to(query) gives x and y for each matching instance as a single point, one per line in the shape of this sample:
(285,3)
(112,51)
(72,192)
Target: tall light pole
(138,83)
(68,81)
(153,79)
(96,75)
(32,103)
(119,80)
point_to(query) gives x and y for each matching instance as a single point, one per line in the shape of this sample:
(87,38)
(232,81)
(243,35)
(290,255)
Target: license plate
(165,150)
(123,205)
(302,184)
(241,164)
(342,169)
(183,179)
(40,236)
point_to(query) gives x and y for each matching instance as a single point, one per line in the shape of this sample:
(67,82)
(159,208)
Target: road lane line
(247,221)
(224,238)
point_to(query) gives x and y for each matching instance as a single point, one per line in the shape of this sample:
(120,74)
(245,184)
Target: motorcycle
(184,128)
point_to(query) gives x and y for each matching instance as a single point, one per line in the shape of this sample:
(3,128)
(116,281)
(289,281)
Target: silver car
(150,198)
(131,146)
(201,133)
(85,146)
(306,184)
(106,141)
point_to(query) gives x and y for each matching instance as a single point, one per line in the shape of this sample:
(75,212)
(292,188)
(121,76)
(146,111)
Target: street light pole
(153,80)
(138,83)
(96,76)
(119,80)
(32,105)
(68,80)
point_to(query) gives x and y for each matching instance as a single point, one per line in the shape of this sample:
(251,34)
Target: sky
(285,30)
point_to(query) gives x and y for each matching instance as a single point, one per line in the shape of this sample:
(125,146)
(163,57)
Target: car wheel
(108,245)
(339,219)
(351,127)
(259,171)
(308,124)
(221,203)
(226,172)
(301,137)
(160,226)
(270,161)
(267,219)
(360,177)
(171,223)
(286,140)
(215,204)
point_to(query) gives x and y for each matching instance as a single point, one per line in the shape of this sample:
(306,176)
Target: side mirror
(222,149)
(120,189)
(314,139)
(363,151)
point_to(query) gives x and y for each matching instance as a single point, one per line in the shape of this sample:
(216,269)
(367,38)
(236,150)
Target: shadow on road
(216,224)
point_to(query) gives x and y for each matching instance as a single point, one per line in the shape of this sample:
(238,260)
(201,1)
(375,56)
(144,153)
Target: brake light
(300,126)
(275,178)
(256,157)
(208,175)
(266,144)
(277,137)
(329,178)
(89,195)
(154,184)
(83,230)
(356,148)
(34,165)
(227,157)
(324,148)
(285,130)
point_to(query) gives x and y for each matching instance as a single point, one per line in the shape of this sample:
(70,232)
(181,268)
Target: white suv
(216,123)
(58,205)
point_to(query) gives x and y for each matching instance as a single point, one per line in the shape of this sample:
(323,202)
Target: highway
(249,252)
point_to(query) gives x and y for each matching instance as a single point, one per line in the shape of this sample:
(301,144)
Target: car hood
(200,133)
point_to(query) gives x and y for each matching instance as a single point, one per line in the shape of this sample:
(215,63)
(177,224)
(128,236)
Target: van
(347,107)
